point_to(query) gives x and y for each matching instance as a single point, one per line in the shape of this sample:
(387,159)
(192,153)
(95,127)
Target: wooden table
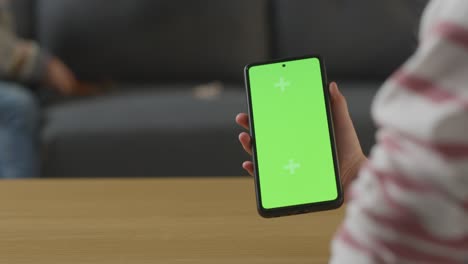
(206,221)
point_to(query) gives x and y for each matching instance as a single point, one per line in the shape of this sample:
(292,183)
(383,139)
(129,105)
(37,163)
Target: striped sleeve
(410,202)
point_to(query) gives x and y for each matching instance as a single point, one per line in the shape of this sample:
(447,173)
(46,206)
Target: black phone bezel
(303,208)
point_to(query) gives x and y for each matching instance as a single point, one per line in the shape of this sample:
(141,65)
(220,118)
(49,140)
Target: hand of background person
(350,154)
(63,80)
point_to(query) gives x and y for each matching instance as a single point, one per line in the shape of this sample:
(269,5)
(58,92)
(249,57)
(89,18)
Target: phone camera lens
(284,65)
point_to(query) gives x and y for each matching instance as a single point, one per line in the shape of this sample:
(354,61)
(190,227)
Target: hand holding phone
(349,149)
(291,188)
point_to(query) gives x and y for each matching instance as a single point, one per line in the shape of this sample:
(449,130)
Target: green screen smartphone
(294,156)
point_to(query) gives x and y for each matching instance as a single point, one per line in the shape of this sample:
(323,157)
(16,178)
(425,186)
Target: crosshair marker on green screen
(293,146)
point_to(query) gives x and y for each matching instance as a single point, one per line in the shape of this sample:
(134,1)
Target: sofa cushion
(154,40)
(143,132)
(358,39)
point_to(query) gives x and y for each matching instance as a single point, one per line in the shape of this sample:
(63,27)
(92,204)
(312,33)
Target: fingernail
(242,135)
(335,85)
(333,89)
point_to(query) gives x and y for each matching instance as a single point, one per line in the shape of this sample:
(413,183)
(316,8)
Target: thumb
(337,98)
(339,105)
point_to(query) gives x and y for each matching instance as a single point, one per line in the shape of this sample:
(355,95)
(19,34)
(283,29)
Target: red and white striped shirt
(410,202)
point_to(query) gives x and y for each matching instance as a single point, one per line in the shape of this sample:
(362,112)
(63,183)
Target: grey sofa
(160,55)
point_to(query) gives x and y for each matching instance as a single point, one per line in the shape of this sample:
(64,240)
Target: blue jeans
(19,130)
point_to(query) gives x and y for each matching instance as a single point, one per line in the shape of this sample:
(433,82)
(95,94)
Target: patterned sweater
(20,60)
(410,202)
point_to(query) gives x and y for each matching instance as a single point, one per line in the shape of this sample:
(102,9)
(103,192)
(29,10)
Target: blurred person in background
(23,62)
(408,202)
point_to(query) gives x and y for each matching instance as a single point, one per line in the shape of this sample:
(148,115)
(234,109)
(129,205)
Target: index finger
(243,120)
